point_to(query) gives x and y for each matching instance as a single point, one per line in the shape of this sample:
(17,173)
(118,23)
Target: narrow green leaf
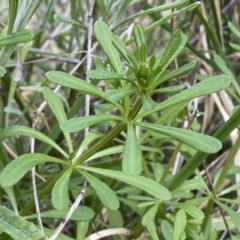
(80,123)
(60,198)
(21,36)
(163,7)
(151,227)
(167,230)
(17,227)
(132,157)
(106,195)
(189,168)
(150,214)
(70,81)
(121,47)
(208,86)
(57,107)
(180,222)
(29,132)
(146,184)
(82,213)
(104,37)
(196,140)
(213,235)
(189,209)
(176,73)
(233,214)
(2,71)
(116,95)
(235,46)
(234,29)
(223,67)
(16,169)
(101,74)
(138,37)
(63,19)
(173,48)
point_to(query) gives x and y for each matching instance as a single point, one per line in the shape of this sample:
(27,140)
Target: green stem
(227,166)
(109,136)
(207,214)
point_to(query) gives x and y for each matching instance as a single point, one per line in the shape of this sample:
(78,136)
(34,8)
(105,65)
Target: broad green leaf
(63,19)
(29,132)
(132,156)
(60,198)
(176,73)
(106,195)
(196,140)
(189,209)
(208,86)
(21,36)
(70,81)
(80,123)
(82,213)
(115,219)
(167,230)
(104,37)
(57,107)
(180,222)
(150,214)
(2,71)
(101,74)
(17,227)
(232,213)
(16,169)
(146,184)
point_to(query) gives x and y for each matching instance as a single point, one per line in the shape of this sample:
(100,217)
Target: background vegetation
(150,149)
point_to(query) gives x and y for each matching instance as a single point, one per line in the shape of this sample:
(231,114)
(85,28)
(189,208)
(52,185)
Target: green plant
(127,148)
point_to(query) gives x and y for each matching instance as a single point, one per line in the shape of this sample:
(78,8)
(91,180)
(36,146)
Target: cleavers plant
(131,79)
